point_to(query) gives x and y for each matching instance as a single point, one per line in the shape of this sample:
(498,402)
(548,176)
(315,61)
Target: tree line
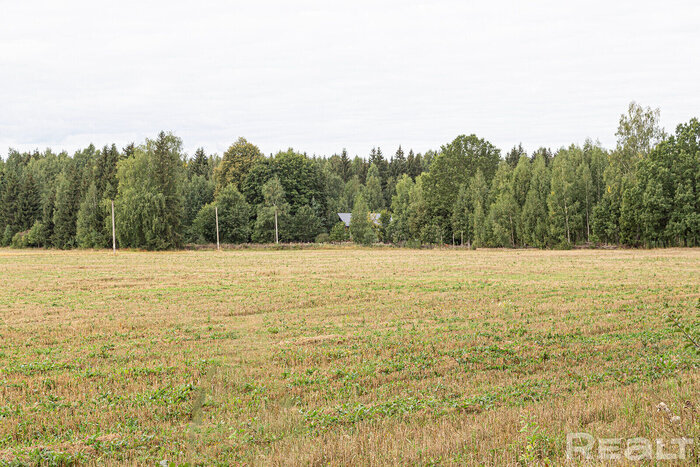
(645,192)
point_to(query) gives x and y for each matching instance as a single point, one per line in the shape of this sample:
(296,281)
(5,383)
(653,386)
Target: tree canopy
(644,192)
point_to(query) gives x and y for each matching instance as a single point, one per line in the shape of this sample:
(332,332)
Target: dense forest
(645,192)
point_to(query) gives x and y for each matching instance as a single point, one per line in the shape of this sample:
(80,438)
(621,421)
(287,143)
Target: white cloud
(319,75)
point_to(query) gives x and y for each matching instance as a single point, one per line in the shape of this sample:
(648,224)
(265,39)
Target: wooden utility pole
(461,242)
(216,214)
(277,239)
(114,235)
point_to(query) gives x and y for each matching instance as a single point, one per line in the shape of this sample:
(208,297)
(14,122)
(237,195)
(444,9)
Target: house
(346,216)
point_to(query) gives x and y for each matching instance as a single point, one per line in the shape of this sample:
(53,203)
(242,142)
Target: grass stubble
(341,356)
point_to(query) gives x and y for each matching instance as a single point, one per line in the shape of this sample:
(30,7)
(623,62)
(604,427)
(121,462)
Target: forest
(643,193)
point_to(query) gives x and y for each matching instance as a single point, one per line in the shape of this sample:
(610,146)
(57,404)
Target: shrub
(234,213)
(323,237)
(339,233)
(18,240)
(36,236)
(7,236)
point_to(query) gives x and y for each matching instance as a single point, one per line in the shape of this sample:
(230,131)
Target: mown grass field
(340,356)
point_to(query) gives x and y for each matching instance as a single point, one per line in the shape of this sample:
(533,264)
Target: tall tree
(361,227)
(478,195)
(345,166)
(199,165)
(504,212)
(238,159)
(29,205)
(373,190)
(413,165)
(562,200)
(149,206)
(234,215)
(637,134)
(515,154)
(399,229)
(535,214)
(90,221)
(453,167)
(272,221)
(66,208)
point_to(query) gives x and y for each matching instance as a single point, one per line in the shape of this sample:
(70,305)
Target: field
(341,355)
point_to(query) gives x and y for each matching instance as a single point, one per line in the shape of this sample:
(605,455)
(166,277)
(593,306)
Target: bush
(36,236)
(323,237)
(18,240)
(234,213)
(7,236)
(563,245)
(339,233)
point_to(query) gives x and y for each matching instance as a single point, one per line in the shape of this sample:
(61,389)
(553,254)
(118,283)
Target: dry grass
(340,356)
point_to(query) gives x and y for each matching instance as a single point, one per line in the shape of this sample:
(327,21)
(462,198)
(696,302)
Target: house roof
(347,216)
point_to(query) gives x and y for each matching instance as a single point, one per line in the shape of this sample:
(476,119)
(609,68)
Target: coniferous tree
(90,221)
(199,165)
(305,225)
(66,208)
(345,166)
(515,154)
(198,192)
(397,167)
(9,213)
(29,204)
(413,165)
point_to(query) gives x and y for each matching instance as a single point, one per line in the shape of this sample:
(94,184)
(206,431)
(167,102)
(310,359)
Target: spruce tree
(90,224)
(29,205)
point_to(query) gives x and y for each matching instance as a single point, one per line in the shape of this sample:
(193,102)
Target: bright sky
(322,75)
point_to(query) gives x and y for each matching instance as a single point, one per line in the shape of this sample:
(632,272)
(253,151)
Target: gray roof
(346,216)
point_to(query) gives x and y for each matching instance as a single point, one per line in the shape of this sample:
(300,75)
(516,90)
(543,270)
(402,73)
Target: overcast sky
(322,75)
